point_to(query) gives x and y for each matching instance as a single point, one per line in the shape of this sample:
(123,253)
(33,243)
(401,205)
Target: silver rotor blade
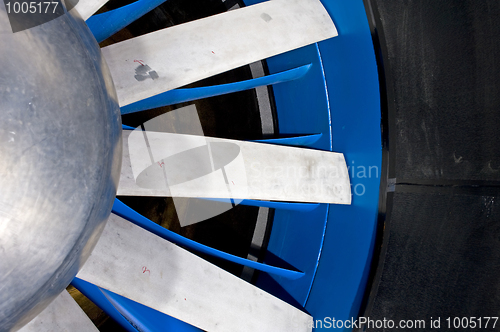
(143,267)
(175,165)
(62,315)
(167,59)
(87,8)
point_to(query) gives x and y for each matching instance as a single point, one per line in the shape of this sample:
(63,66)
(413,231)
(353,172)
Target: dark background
(438,253)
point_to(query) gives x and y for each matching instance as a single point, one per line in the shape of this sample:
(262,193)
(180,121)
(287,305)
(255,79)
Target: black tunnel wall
(439,253)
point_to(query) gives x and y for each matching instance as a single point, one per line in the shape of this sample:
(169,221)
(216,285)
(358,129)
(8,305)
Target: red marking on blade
(145,269)
(140,61)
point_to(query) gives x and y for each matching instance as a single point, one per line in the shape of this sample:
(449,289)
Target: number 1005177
(45,7)
(471,322)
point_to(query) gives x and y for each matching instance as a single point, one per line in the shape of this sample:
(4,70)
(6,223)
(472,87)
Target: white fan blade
(62,315)
(166,59)
(168,165)
(143,267)
(87,8)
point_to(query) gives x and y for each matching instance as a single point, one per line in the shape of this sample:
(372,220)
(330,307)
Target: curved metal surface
(353,91)
(60,157)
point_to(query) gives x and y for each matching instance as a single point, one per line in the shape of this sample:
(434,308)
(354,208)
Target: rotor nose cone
(60,157)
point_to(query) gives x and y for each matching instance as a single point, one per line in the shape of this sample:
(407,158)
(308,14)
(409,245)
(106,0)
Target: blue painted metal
(289,206)
(297,237)
(353,89)
(341,91)
(145,318)
(182,95)
(125,127)
(302,105)
(124,211)
(107,24)
(94,294)
(303,140)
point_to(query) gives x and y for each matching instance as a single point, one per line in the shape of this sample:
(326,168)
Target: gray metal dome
(60,157)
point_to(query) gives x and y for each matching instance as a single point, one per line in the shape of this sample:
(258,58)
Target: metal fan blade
(143,267)
(63,314)
(87,8)
(180,166)
(166,59)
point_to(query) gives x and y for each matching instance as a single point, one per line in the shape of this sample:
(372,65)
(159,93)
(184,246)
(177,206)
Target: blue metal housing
(339,98)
